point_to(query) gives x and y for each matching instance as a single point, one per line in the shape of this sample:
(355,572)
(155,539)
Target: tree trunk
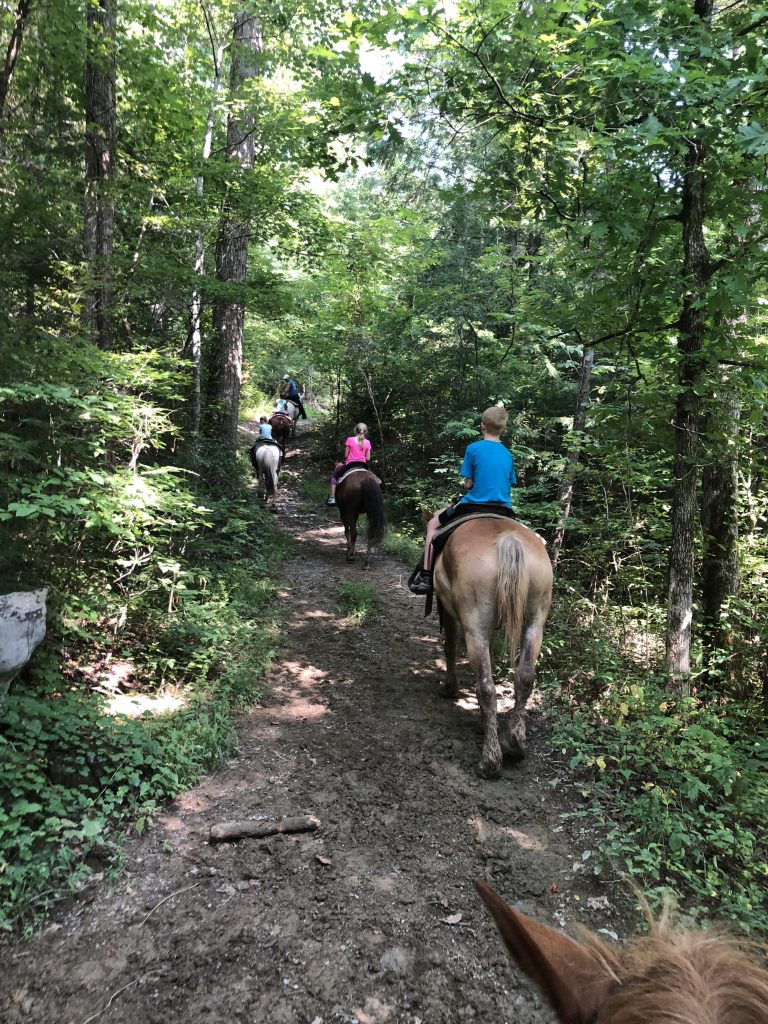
(692,328)
(720,525)
(100,132)
(696,271)
(569,476)
(232,245)
(195,331)
(12,54)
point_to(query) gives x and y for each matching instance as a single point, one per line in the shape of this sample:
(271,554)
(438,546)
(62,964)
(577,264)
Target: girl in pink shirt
(357,448)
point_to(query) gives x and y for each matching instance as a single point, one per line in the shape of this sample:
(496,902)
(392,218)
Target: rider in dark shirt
(292,393)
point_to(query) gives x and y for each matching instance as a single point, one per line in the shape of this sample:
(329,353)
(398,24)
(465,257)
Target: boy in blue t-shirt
(488,475)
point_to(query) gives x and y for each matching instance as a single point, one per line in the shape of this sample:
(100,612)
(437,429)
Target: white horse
(293,411)
(265,459)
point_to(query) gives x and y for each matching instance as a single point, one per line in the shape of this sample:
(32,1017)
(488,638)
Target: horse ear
(426,515)
(573,981)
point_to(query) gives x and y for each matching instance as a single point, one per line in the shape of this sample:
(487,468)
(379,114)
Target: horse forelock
(684,977)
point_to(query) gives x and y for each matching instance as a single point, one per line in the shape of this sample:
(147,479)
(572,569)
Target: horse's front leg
(479,654)
(514,739)
(450,687)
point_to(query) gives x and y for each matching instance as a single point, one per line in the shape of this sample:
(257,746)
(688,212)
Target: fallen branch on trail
(228,831)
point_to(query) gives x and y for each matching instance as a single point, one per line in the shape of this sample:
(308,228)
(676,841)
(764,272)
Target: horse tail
(512,580)
(373,506)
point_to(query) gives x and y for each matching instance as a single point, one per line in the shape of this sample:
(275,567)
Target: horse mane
(684,976)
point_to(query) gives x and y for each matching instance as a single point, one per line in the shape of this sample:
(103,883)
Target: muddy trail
(371,918)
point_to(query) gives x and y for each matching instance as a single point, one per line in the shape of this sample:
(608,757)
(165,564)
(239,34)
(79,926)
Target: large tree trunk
(232,245)
(100,132)
(12,54)
(569,476)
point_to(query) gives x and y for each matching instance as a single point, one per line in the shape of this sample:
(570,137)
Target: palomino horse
(705,976)
(359,492)
(494,573)
(281,424)
(265,458)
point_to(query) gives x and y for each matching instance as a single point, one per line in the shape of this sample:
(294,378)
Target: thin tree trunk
(100,133)
(696,271)
(692,328)
(197,299)
(232,246)
(569,476)
(12,53)
(720,525)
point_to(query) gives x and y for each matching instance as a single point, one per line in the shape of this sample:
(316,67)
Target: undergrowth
(356,601)
(74,779)
(674,790)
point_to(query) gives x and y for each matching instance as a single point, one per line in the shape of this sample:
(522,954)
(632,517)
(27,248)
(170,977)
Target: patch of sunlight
(488,830)
(134,705)
(524,841)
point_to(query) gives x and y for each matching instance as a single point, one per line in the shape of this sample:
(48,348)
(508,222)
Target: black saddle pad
(473,508)
(351,465)
(452,517)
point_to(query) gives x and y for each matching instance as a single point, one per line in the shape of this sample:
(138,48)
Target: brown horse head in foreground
(358,493)
(494,573)
(666,977)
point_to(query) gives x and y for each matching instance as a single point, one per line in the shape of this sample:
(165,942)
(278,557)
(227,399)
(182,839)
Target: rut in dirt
(372,918)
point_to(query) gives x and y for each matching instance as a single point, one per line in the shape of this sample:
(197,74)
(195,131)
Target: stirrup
(420,581)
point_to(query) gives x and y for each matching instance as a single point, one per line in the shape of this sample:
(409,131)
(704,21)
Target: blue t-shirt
(293,388)
(265,430)
(491,468)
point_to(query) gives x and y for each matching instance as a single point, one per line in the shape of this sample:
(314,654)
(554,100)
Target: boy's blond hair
(495,419)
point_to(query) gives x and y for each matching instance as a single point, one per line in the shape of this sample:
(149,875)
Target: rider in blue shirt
(293,394)
(488,475)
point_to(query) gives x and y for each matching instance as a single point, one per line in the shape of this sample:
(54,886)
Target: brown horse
(281,429)
(359,492)
(666,977)
(494,573)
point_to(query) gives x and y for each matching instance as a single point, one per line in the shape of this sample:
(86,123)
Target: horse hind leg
(478,652)
(450,687)
(514,738)
(351,534)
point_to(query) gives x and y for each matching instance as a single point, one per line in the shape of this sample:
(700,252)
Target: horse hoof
(489,771)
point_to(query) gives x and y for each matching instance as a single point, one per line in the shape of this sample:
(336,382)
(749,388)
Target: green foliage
(674,790)
(404,544)
(356,602)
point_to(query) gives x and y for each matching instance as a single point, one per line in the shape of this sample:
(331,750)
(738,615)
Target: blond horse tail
(512,580)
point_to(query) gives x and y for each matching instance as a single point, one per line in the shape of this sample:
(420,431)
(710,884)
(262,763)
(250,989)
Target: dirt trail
(371,919)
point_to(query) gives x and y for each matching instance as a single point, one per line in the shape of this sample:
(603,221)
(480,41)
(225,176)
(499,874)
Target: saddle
(452,517)
(264,440)
(457,514)
(352,467)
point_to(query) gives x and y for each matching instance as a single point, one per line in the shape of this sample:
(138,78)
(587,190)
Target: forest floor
(371,918)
